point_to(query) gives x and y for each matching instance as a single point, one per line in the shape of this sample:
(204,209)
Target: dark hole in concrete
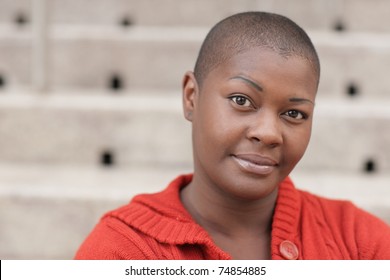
(116,82)
(370,166)
(21,19)
(107,158)
(352,90)
(126,21)
(2,81)
(339,26)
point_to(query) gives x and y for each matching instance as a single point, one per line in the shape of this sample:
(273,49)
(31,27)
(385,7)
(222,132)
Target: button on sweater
(305,226)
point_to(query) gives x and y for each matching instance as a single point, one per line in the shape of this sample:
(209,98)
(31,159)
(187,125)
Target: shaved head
(242,32)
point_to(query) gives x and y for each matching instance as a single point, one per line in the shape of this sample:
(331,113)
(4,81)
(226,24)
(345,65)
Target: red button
(289,250)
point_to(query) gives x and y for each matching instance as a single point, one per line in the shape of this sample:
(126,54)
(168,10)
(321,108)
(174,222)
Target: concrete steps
(141,129)
(156,58)
(46,210)
(353,15)
(110,126)
(59,205)
(60,129)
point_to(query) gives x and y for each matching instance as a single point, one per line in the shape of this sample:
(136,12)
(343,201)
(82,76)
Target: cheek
(217,130)
(296,142)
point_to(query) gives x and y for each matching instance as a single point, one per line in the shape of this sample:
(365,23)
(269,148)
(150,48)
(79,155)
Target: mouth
(256,164)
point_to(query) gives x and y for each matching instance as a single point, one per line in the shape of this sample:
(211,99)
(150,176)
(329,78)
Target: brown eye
(295,114)
(241,101)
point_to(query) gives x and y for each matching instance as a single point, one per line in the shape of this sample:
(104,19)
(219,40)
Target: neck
(224,215)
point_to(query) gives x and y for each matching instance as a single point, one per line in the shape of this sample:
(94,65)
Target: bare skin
(238,230)
(251,124)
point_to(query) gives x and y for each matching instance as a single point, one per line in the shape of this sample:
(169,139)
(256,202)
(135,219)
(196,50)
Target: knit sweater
(305,226)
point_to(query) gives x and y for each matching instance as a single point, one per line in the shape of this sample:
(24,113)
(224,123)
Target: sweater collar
(163,217)
(286,218)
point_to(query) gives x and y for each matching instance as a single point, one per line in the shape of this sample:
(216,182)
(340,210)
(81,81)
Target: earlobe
(190,91)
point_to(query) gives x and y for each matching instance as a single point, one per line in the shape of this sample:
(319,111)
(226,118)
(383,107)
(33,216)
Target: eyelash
(234,98)
(247,100)
(303,115)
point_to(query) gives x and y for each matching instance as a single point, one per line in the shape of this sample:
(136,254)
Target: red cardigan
(305,226)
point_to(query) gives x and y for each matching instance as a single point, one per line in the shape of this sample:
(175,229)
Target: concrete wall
(90,108)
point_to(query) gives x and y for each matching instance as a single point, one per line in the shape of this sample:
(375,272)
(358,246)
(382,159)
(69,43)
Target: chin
(253,188)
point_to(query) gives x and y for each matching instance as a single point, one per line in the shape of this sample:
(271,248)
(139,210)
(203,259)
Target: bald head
(242,32)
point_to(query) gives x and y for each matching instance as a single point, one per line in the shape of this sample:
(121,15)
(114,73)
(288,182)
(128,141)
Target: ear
(190,93)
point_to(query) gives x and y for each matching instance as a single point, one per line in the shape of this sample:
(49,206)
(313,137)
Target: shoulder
(134,231)
(335,209)
(113,239)
(366,236)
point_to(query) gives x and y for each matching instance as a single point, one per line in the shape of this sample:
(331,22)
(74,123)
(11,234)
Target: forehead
(267,66)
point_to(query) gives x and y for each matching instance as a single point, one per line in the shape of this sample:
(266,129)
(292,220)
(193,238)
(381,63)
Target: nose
(266,128)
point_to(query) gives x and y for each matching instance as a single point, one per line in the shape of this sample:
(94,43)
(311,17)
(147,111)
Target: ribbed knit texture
(157,226)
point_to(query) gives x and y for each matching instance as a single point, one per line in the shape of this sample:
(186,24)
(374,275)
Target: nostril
(256,139)
(270,140)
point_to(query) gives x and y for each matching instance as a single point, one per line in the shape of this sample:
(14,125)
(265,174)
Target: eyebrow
(300,100)
(248,81)
(259,88)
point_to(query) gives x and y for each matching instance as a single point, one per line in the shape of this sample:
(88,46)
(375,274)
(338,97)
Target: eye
(241,101)
(296,115)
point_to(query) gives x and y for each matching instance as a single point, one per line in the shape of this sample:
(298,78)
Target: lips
(256,164)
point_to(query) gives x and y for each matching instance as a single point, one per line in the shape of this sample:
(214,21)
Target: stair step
(156,58)
(320,14)
(59,205)
(138,129)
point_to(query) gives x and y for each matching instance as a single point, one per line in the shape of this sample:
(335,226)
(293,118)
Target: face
(251,121)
